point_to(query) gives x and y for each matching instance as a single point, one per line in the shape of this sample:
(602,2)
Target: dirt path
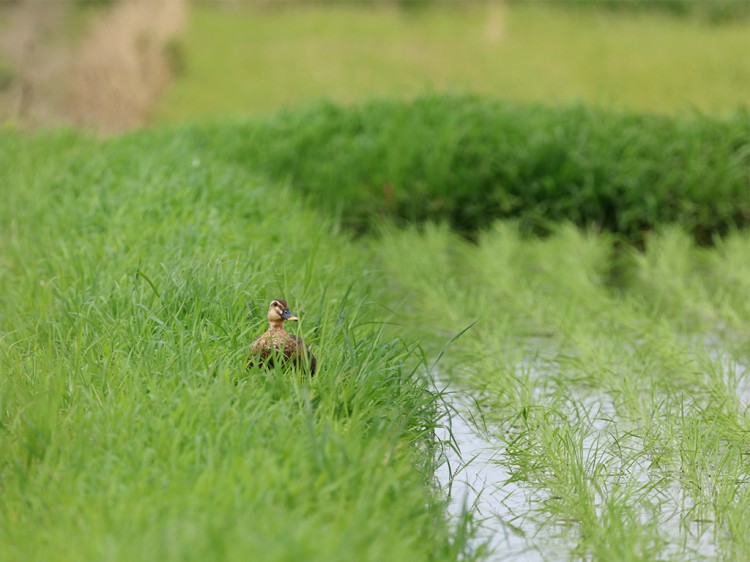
(107,80)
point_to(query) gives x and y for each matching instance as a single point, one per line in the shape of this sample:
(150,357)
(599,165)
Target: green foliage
(470,161)
(174,51)
(129,427)
(712,10)
(717,11)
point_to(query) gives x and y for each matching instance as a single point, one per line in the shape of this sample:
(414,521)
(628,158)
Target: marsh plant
(620,409)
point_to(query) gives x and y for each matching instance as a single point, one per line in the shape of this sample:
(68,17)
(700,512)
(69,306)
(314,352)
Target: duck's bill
(286,315)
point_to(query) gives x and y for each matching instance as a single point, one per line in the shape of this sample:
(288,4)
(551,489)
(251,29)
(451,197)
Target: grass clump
(469,161)
(129,426)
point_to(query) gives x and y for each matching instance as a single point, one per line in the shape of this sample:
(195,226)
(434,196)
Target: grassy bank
(239,61)
(621,414)
(129,428)
(469,161)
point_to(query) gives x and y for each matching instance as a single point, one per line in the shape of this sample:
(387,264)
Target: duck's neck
(276,325)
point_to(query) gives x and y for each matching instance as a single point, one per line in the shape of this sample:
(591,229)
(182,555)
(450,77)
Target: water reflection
(474,478)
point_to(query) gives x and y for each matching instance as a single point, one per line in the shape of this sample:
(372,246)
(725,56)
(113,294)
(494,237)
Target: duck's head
(278,311)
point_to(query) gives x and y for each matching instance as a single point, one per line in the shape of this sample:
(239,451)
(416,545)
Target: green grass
(622,409)
(134,273)
(469,161)
(708,10)
(240,61)
(129,428)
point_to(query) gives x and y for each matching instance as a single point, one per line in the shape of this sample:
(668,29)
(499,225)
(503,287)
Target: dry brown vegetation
(34,62)
(108,78)
(123,65)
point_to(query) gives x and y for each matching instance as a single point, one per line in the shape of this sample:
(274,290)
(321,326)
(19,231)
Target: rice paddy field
(619,411)
(539,387)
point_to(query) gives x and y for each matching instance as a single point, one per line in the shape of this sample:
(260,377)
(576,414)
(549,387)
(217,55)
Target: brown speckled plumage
(276,342)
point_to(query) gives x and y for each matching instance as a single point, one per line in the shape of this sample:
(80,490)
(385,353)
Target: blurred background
(112,65)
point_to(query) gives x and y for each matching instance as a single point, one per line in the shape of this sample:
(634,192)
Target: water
(474,478)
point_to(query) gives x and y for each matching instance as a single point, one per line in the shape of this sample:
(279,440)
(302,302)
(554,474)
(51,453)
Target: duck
(276,341)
